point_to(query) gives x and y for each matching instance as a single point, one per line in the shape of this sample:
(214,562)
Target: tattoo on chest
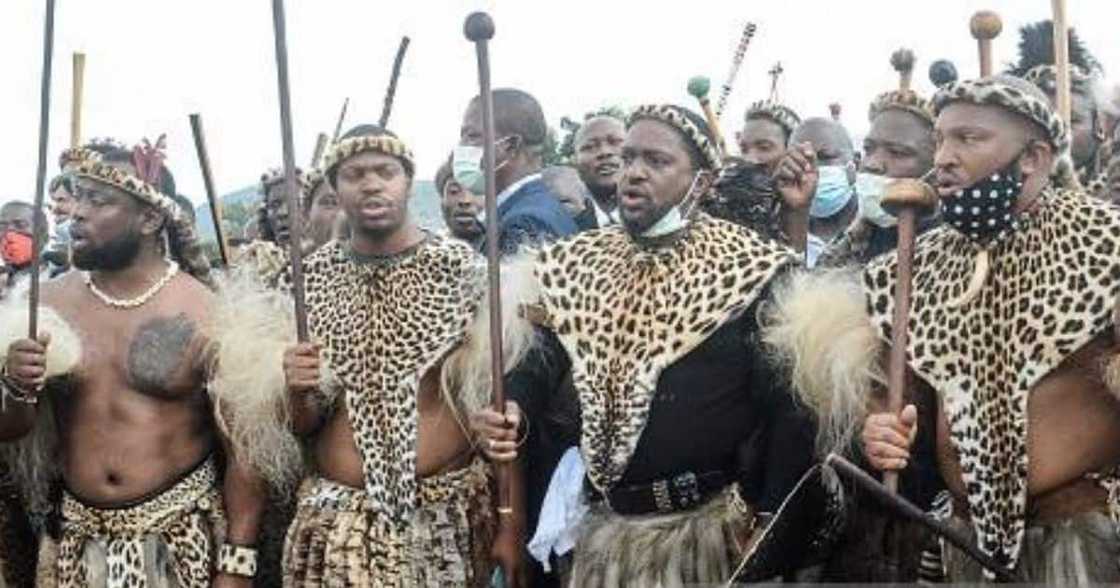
(158,350)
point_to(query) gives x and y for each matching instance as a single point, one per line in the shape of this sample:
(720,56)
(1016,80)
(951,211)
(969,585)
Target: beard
(635,226)
(112,256)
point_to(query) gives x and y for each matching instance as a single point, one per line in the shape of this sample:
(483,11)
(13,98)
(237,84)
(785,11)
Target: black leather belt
(679,493)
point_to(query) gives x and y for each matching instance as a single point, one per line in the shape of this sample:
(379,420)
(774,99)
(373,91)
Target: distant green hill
(241,205)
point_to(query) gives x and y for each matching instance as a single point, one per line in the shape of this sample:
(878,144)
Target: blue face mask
(834,191)
(466,166)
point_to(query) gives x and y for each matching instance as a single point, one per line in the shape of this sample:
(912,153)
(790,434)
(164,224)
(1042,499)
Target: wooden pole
(479,29)
(208,184)
(341,118)
(39,228)
(296,254)
(76,100)
(1061,59)
(320,147)
(383,122)
(699,87)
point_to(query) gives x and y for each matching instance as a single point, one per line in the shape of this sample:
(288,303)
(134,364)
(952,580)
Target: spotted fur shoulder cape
(624,312)
(1051,288)
(383,324)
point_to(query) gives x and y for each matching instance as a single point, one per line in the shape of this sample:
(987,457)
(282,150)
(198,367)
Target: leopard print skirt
(168,540)
(339,539)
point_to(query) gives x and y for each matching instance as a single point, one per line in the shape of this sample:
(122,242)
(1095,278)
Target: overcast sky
(152,62)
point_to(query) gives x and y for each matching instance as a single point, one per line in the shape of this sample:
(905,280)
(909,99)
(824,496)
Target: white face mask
(466,167)
(677,217)
(870,188)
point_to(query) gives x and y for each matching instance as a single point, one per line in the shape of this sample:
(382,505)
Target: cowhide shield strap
(1051,289)
(624,313)
(383,325)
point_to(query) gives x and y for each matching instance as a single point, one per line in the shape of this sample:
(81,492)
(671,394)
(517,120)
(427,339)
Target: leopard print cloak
(624,312)
(1051,288)
(383,325)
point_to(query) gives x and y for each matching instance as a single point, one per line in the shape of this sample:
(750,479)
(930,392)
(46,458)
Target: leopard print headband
(672,116)
(384,144)
(276,176)
(779,113)
(1045,76)
(185,246)
(993,91)
(904,100)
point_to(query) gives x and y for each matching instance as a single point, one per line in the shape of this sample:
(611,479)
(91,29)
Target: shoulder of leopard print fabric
(624,313)
(1051,289)
(382,326)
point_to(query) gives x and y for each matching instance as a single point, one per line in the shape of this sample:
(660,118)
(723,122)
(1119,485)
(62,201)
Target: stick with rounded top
(479,29)
(699,87)
(906,199)
(985,26)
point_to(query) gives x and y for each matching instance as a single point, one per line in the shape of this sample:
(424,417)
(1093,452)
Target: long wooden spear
(40,228)
(320,147)
(1061,59)
(208,184)
(76,100)
(479,29)
(391,93)
(341,118)
(296,222)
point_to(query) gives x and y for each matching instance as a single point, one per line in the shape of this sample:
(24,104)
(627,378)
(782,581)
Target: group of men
(685,334)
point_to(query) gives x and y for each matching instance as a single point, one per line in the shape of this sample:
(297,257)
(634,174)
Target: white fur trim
(818,328)
(252,326)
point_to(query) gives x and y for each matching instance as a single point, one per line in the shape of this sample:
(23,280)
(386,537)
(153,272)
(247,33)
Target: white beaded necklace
(172,269)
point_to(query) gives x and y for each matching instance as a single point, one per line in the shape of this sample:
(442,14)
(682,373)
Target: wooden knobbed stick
(699,87)
(39,228)
(76,100)
(479,29)
(208,184)
(985,26)
(295,217)
(906,199)
(341,119)
(1061,58)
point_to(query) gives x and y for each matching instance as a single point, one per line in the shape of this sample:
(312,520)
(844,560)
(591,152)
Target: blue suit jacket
(532,214)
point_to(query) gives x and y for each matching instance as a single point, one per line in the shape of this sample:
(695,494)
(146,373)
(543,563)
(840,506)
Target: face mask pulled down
(466,167)
(982,212)
(16,248)
(870,189)
(676,218)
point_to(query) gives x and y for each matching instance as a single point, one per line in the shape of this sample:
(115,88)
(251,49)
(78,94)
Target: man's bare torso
(1072,428)
(134,417)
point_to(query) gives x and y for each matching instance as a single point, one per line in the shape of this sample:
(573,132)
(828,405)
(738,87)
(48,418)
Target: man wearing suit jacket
(528,212)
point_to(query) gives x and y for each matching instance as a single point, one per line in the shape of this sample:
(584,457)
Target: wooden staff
(1061,58)
(985,26)
(290,168)
(906,509)
(208,184)
(383,122)
(341,118)
(39,228)
(736,63)
(906,199)
(479,29)
(76,100)
(320,148)
(699,87)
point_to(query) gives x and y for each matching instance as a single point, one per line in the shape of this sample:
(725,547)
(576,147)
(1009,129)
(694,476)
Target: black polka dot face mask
(982,212)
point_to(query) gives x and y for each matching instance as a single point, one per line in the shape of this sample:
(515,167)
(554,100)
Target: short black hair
(516,112)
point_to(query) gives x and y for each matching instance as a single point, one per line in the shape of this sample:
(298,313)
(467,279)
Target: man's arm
(23,380)
(244,494)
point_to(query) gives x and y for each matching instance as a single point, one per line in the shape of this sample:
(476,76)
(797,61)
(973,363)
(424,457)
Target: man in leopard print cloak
(397,495)
(1010,337)
(689,436)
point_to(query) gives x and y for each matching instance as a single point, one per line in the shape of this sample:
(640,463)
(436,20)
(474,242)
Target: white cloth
(604,218)
(563,509)
(814,247)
